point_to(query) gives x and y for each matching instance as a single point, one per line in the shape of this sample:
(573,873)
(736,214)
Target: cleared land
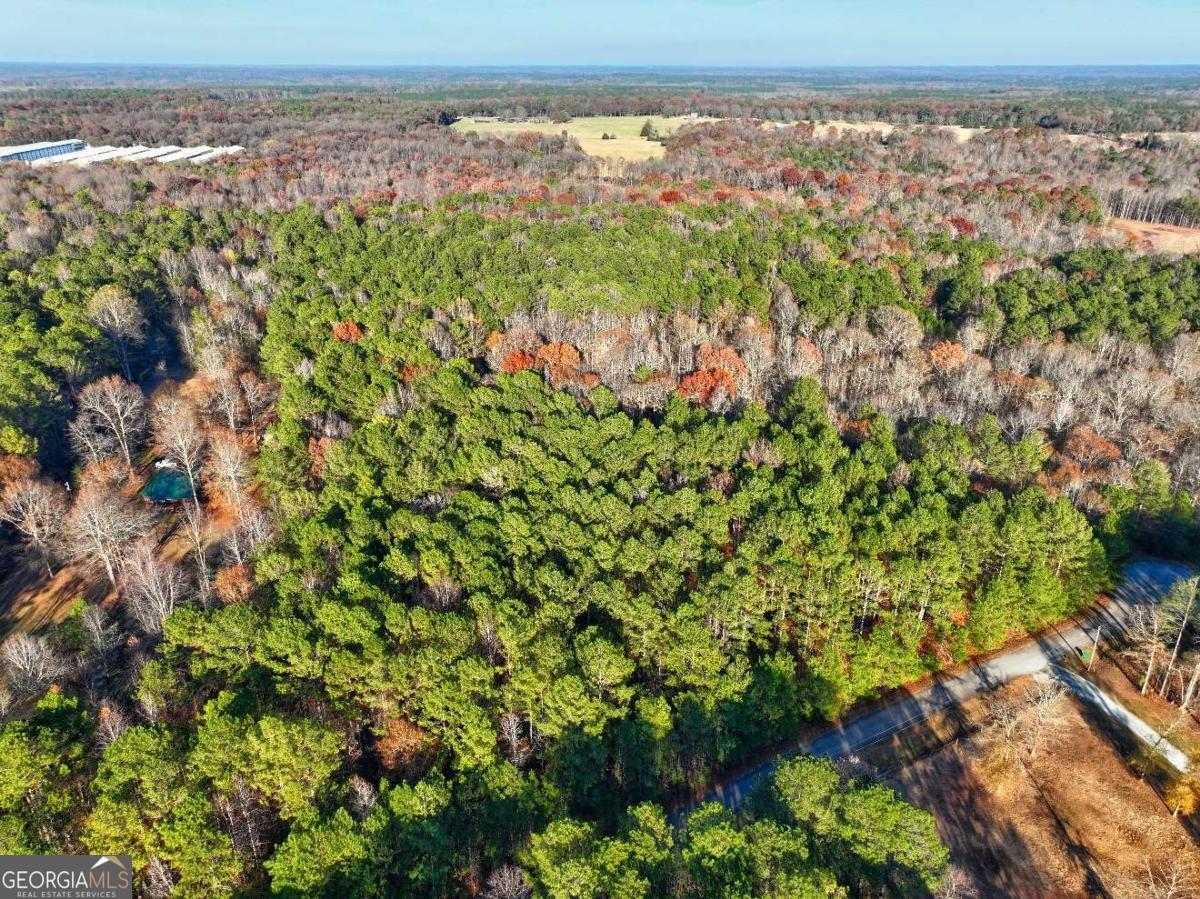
(1072,820)
(1161,238)
(626,144)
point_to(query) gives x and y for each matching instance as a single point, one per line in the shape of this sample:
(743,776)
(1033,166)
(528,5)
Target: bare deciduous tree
(228,467)
(957,884)
(1175,880)
(1189,692)
(1180,607)
(1043,716)
(248,822)
(158,880)
(515,733)
(177,430)
(361,797)
(195,529)
(103,638)
(36,509)
(153,587)
(259,396)
(120,317)
(507,882)
(111,421)
(1144,635)
(101,528)
(226,401)
(31,663)
(898,330)
(1026,723)
(110,723)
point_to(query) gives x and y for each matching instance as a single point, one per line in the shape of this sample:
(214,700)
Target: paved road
(1144,581)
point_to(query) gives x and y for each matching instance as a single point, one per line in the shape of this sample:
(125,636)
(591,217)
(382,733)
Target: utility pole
(1095,648)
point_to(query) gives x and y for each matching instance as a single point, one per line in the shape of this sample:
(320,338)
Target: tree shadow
(1069,840)
(1126,745)
(980,840)
(30,600)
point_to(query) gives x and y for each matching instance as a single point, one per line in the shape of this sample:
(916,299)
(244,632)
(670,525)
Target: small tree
(1183,796)
(31,663)
(1026,724)
(507,882)
(1173,880)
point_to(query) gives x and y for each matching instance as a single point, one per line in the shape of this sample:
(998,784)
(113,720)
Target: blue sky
(612,32)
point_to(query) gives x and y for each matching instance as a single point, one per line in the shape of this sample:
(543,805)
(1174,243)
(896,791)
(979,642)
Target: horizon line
(758,66)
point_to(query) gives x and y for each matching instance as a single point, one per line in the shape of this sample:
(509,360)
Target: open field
(628,144)
(1160,238)
(1073,820)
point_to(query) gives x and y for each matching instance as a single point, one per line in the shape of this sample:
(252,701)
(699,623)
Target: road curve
(1143,581)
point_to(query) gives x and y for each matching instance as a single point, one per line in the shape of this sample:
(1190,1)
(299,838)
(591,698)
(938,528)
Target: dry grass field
(627,145)
(1073,821)
(1159,238)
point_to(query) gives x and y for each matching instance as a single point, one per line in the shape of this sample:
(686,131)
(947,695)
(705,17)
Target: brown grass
(1072,821)
(1158,238)
(626,145)
(31,600)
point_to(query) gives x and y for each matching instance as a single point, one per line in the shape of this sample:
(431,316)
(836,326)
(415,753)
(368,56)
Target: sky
(604,32)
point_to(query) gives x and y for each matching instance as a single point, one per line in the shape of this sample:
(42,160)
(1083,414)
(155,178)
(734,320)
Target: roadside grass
(1082,817)
(1158,713)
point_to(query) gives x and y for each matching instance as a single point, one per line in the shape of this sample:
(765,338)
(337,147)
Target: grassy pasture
(628,144)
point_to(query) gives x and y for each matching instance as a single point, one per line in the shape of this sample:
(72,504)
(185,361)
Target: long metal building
(41,150)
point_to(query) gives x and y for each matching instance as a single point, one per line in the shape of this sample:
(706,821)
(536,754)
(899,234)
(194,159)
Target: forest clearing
(1160,238)
(1057,809)
(625,141)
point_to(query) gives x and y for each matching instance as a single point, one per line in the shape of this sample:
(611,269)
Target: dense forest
(525,497)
